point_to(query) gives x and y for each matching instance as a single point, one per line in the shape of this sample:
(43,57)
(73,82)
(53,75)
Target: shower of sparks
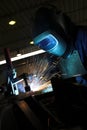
(39,70)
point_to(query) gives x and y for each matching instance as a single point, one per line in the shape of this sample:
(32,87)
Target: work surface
(43,107)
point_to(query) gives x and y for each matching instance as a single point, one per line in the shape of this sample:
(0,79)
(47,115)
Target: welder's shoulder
(81,37)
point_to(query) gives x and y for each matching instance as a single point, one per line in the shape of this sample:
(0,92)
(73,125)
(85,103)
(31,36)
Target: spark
(39,70)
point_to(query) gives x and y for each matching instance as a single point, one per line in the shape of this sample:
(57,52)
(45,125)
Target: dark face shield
(51,43)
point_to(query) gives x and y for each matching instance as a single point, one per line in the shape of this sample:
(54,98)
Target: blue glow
(21,87)
(50,43)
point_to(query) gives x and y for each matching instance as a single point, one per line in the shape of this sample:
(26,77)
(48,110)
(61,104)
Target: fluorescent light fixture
(12,22)
(23,56)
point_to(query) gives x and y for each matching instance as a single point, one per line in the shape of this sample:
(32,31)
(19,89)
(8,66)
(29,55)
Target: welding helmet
(50,42)
(51,31)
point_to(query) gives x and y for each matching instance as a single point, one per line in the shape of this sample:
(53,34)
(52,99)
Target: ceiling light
(18,53)
(12,22)
(32,42)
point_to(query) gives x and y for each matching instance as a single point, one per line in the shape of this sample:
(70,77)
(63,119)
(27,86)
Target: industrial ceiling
(18,36)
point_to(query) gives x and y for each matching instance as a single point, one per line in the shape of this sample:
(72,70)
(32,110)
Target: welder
(55,33)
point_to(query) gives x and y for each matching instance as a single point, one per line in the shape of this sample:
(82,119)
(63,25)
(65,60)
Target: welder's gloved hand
(81,81)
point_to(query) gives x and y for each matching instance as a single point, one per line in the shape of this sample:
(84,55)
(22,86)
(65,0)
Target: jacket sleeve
(81,46)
